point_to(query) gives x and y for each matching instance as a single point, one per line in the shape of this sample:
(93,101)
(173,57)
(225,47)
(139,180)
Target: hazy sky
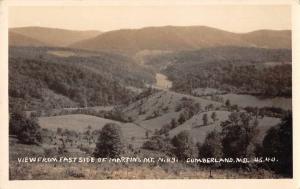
(105,18)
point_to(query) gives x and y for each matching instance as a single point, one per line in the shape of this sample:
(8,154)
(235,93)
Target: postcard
(144,91)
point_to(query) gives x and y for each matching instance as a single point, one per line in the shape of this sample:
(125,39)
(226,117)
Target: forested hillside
(39,79)
(177,38)
(265,72)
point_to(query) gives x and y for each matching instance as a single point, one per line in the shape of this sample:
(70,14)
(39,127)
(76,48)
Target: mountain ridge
(54,36)
(177,38)
(162,38)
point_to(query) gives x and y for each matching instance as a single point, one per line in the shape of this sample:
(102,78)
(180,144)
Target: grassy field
(148,114)
(99,171)
(162,102)
(77,122)
(252,101)
(109,171)
(165,103)
(196,127)
(133,133)
(199,131)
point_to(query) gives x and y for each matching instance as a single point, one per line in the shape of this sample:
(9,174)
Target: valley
(171,95)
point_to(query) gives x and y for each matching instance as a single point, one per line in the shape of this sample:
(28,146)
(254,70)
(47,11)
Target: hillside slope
(172,38)
(51,36)
(42,80)
(16,39)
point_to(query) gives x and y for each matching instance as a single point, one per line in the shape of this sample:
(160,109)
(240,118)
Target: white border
(174,184)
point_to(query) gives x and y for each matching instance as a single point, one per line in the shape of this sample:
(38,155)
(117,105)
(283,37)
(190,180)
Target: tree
(212,146)
(147,134)
(110,142)
(214,116)
(205,119)
(59,131)
(173,123)
(182,118)
(227,103)
(16,120)
(238,135)
(26,129)
(184,146)
(158,143)
(278,143)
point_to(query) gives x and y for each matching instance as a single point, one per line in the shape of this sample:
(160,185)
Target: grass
(165,103)
(196,127)
(159,101)
(77,122)
(199,131)
(41,171)
(99,171)
(80,122)
(252,101)
(206,91)
(158,122)
(62,53)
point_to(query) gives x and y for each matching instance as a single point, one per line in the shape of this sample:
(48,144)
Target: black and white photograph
(150,92)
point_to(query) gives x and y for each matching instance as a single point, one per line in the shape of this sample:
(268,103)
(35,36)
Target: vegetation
(26,129)
(53,82)
(214,116)
(212,146)
(232,69)
(184,146)
(158,143)
(56,83)
(237,135)
(205,119)
(110,141)
(278,143)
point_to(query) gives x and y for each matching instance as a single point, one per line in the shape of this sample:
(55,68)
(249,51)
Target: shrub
(212,146)
(278,143)
(50,152)
(110,141)
(227,103)
(75,172)
(214,116)
(237,134)
(158,143)
(184,146)
(26,129)
(205,119)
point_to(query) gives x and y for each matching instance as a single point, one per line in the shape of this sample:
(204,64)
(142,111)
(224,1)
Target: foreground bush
(110,141)
(184,146)
(278,143)
(159,143)
(26,129)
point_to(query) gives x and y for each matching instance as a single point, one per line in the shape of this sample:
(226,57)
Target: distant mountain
(269,38)
(49,36)
(16,39)
(173,38)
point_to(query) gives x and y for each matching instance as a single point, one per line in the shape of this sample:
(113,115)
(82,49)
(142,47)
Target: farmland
(191,97)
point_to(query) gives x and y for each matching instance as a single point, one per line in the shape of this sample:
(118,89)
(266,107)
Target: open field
(98,171)
(161,102)
(133,133)
(252,101)
(110,171)
(77,122)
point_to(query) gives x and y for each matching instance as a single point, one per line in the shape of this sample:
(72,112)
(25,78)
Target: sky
(234,18)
